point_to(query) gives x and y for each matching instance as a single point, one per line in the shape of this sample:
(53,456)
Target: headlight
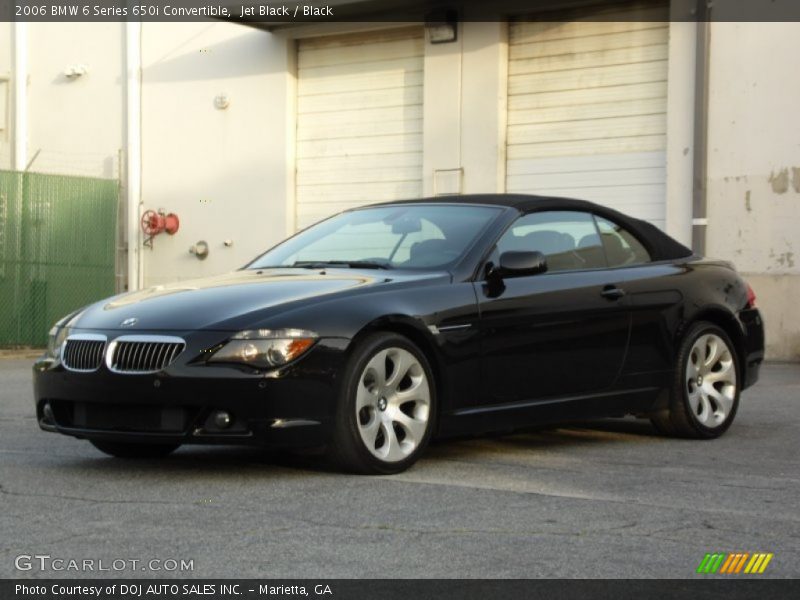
(59,332)
(55,338)
(263,348)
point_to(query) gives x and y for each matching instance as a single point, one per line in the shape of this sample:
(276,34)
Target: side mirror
(520,263)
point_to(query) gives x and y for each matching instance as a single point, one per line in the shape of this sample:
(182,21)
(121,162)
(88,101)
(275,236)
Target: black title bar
(401,589)
(275,13)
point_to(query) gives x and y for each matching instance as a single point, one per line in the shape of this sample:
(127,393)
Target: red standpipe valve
(154,223)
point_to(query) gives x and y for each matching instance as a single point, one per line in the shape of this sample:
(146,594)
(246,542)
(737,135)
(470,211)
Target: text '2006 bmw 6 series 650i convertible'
(379,328)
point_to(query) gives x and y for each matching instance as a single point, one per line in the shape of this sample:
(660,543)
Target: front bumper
(290,407)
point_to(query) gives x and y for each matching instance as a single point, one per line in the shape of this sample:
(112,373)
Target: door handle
(612,292)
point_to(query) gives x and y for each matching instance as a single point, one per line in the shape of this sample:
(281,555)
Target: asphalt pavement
(603,499)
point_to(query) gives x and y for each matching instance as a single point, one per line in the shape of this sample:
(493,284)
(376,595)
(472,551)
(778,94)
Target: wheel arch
(726,321)
(422,338)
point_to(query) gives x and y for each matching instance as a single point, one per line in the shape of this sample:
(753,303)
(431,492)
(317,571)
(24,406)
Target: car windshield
(410,236)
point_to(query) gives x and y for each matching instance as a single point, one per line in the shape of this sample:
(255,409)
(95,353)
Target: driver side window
(568,239)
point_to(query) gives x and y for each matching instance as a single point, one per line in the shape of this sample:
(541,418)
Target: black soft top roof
(659,244)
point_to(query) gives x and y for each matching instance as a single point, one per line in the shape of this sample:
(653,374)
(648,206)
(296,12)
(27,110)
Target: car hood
(226,302)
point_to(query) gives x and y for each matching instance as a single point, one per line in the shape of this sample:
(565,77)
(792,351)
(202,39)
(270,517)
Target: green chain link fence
(57,250)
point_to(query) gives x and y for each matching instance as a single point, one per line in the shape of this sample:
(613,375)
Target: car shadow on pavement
(224,460)
(566,435)
(190,460)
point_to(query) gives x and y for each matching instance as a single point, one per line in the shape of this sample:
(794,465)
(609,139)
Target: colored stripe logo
(735,563)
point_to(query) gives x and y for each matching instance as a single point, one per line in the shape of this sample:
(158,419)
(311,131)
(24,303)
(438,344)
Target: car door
(655,298)
(560,333)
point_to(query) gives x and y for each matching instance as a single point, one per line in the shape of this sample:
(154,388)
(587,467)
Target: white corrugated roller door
(587,109)
(359,121)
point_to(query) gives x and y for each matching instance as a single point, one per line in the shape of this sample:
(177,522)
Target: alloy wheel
(393,402)
(710,380)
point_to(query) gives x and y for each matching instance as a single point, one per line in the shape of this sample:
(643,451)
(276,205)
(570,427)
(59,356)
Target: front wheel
(128,450)
(386,406)
(705,393)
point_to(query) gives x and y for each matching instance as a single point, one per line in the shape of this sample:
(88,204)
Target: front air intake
(83,353)
(137,354)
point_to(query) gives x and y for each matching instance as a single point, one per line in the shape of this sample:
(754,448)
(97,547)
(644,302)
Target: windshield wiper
(265,267)
(354,264)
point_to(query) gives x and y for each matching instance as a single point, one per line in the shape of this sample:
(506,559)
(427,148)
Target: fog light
(47,414)
(222,419)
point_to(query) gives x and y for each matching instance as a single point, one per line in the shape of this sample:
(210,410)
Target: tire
(704,396)
(128,450)
(386,407)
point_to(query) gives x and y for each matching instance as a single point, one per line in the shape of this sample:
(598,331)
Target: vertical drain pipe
(680,122)
(700,197)
(133,170)
(20,96)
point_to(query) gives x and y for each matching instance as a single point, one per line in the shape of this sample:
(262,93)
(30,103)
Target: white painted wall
(753,185)
(225,172)
(76,124)
(441,109)
(465,111)
(484,100)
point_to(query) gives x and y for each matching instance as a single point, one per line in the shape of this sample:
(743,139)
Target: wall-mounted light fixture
(441,26)
(75,71)
(222,101)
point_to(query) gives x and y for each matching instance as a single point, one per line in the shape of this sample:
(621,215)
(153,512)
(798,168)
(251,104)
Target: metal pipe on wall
(700,214)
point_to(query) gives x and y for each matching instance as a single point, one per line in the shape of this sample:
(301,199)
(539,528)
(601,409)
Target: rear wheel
(386,406)
(128,450)
(705,393)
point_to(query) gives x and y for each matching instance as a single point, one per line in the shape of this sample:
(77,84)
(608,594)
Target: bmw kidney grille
(134,354)
(83,354)
(143,354)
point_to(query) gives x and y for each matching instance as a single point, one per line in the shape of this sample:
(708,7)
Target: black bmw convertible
(377,329)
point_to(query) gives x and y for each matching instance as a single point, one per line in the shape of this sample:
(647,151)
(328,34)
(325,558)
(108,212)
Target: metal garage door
(359,121)
(587,109)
